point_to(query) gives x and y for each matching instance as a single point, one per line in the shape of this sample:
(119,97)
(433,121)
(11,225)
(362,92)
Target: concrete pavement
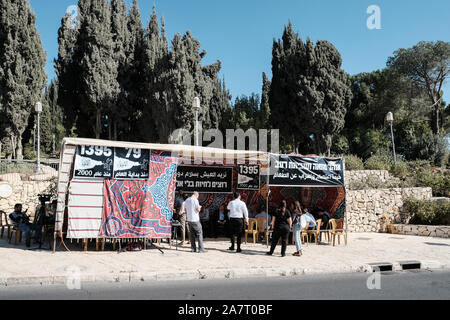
(19,266)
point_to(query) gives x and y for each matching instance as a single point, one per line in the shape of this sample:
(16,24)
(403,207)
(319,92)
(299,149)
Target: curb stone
(132,276)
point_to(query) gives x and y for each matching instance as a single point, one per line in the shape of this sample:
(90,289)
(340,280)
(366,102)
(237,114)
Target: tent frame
(301,186)
(67,158)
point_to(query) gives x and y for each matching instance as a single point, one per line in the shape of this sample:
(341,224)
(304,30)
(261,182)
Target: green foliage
(436,178)
(352,162)
(52,188)
(28,152)
(427,64)
(22,74)
(399,170)
(309,91)
(126,83)
(52,125)
(378,161)
(98,63)
(17,167)
(340,144)
(428,212)
(421,173)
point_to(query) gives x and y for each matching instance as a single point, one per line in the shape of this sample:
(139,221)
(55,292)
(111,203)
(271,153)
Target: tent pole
(345,196)
(267,200)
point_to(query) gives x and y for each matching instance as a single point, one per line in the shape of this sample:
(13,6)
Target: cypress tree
(67,72)
(118,113)
(22,74)
(262,121)
(135,74)
(309,91)
(52,127)
(287,57)
(332,89)
(98,67)
(158,113)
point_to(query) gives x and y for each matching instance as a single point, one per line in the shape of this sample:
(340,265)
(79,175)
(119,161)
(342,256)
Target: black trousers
(236,229)
(283,233)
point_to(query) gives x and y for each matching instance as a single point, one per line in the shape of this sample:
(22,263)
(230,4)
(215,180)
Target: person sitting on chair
(324,215)
(262,214)
(312,221)
(52,214)
(22,223)
(218,221)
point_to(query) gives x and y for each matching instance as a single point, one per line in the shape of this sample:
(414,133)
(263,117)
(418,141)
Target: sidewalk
(21,266)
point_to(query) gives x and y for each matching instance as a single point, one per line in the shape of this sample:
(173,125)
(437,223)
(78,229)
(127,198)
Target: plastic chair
(337,230)
(315,232)
(4,223)
(304,233)
(17,233)
(326,231)
(388,225)
(262,226)
(252,229)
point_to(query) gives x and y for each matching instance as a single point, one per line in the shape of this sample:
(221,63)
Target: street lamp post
(34,138)
(38,108)
(196,108)
(390,120)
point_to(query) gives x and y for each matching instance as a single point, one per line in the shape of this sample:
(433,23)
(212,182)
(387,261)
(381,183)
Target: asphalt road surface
(420,285)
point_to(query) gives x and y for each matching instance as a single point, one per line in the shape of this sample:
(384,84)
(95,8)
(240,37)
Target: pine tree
(22,74)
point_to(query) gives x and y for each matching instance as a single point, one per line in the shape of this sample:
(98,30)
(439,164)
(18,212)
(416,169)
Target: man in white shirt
(192,211)
(237,213)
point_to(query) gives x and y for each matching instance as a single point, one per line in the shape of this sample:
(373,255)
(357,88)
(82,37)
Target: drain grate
(381,266)
(409,265)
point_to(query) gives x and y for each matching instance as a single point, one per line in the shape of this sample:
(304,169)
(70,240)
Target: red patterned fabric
(139,208)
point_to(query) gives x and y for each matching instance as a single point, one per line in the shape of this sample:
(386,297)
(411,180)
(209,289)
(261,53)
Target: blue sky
(240,33)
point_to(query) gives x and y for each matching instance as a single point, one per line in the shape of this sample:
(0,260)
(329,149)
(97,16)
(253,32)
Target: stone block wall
(354,176)
(423,230)
(365,208)
(25,189)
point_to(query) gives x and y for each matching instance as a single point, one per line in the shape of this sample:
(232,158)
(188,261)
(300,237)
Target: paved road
(393,285)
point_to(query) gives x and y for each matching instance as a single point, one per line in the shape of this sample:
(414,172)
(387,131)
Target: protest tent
(322,181)
(87,166)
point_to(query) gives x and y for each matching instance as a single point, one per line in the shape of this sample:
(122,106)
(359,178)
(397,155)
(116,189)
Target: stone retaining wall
(422,230)
(25,189)
(355,176)
(365,209)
